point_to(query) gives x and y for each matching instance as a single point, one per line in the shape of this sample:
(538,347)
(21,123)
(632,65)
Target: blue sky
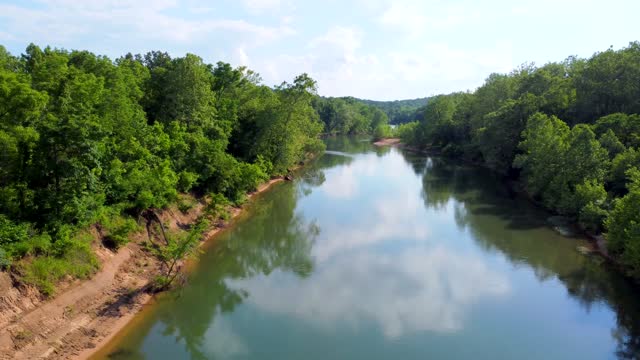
(377,49)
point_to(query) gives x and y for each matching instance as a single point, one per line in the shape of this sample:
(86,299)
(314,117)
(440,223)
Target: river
(377,253)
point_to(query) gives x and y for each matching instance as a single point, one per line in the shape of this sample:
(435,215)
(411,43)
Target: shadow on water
(274,237)
(484,206)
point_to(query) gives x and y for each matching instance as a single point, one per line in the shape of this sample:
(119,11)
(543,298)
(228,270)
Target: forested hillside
(570,131)
(399,111)
(349,116)
(88,140)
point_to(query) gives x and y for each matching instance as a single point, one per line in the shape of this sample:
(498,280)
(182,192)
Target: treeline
(87,140)
(350,116)
(570,131)
(399,111)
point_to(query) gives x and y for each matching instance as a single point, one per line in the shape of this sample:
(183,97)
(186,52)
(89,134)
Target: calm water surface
(380,254)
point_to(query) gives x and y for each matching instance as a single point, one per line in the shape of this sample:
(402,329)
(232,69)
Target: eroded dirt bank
(84,315)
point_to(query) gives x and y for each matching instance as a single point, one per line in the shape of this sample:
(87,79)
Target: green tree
(623,226)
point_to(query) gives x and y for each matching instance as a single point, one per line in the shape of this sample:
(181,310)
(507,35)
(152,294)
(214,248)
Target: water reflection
(275,237)
(485,207)
(417,289)
(407,247)
(222,342)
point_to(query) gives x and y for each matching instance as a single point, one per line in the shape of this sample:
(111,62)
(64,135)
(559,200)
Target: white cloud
(342,66)
(380,49)
(407,17)
(241,57)
(419,18)
(261,6)
(63,20)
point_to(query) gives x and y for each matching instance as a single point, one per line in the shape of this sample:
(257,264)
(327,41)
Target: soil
(84,315)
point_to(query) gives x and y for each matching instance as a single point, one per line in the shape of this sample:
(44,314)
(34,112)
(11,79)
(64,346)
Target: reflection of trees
(502,222)
(416,161)
(349,144)
(273,237)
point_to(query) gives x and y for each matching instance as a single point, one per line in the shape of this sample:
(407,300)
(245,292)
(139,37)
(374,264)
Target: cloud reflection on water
(383,267)
(416,289)
(222,342)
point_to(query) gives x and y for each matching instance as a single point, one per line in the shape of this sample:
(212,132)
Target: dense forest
(87,140)
(350,116)
(397,111)
(568,131)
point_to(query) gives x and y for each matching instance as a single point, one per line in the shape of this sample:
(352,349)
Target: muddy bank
(84,315)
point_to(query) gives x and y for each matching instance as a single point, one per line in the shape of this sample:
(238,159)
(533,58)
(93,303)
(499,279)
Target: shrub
(116,227)
(11,233)
(78,261)
(382,131)
(5,260)
(623,226)
(185,204)
(178,248)
(592,216)
(217,206)
(186,180)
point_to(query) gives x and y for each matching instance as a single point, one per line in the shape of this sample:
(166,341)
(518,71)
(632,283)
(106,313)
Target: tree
(543,147)
(623,226)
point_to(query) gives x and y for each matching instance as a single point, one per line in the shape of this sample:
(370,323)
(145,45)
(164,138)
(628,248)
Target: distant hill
(399,111)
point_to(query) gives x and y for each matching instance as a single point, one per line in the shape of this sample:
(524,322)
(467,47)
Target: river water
(376,253)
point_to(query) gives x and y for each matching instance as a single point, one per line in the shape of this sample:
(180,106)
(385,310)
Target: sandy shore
(387,142)
(86,315)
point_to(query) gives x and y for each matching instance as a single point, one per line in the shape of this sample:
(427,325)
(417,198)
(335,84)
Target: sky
(374,49)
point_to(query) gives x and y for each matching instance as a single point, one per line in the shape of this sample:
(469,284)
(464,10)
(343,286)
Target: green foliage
(622,163)
(592,217)
(115,227)
(590,198)
(398,111)
(75,258)
(349,116)
(86,140)
(610,141)
(217,207)
(565,167)
(5,260)
(408,133)
(543,140)
(569,130)
(186,180)
(625,127)
(382,131)
(623,226)
(178,248)
(186,203)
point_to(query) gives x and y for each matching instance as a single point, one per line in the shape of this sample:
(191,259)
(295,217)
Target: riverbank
(85,315)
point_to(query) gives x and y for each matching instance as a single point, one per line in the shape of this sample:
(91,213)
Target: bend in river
(376,253)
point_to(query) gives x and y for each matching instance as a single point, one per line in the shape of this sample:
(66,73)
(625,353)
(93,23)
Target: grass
(186,203)
(23,335)
(45,272)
